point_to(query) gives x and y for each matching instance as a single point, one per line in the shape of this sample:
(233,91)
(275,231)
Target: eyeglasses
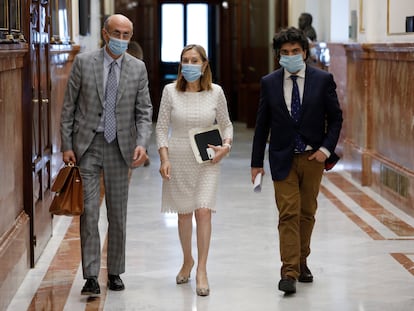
(118,35)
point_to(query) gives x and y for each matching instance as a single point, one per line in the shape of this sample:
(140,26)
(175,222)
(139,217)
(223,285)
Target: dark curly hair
(290,35)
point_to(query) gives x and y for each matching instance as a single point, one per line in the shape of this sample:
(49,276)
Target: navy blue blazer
(320,123)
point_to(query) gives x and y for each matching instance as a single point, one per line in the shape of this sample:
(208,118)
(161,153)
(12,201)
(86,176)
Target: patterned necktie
(110,101)
(295,111)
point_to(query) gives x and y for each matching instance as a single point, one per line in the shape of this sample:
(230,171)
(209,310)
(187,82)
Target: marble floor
(362,251)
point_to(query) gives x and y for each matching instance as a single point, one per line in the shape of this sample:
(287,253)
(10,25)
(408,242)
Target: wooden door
(40,218)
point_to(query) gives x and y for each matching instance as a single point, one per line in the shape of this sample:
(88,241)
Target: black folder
(331,161)
(201,138)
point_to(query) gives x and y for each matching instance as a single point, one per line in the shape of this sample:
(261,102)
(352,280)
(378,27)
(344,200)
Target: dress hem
(172,211)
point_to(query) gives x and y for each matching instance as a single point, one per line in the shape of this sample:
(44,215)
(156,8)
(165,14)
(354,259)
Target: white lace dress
(192,185)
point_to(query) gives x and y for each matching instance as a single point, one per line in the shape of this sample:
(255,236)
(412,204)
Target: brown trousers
(296,200)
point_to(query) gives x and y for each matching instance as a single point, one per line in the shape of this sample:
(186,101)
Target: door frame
(41,223)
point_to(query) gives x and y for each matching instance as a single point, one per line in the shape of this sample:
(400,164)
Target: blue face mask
(117,46)
(292,63)
(190,72)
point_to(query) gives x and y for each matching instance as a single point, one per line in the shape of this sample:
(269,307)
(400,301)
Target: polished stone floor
(362,251)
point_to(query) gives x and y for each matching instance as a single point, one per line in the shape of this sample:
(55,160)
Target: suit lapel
(307,87)
(279,92)
(123,77)
(98,70)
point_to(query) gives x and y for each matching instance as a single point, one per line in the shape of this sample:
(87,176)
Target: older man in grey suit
(106,123)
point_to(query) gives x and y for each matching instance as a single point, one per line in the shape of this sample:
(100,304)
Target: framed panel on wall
(4,16)
(397,13)
(362,11)
(15,16)
(10,21)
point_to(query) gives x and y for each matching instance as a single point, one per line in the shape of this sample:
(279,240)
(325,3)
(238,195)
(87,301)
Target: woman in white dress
(189,187)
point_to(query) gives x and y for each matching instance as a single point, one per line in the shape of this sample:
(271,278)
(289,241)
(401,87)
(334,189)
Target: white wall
(296,7)
(399,10)
(331,19)
(340,16)
(321,11)
(375,21)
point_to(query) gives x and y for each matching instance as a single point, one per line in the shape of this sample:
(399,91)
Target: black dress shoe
(115,282)
(305,274)
(91,287)
(287,285)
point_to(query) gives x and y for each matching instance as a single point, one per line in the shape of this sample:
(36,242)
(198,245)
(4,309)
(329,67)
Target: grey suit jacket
(84,98)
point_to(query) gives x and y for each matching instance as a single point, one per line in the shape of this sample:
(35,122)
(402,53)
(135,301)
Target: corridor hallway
(362,251)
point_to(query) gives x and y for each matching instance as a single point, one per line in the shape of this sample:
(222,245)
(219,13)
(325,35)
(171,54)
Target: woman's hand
(165,169)
(219,152)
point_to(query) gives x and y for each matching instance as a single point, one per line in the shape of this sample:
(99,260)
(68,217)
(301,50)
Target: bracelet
(165,161)
(227,145)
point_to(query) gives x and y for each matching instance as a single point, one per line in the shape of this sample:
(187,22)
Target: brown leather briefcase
(68,190)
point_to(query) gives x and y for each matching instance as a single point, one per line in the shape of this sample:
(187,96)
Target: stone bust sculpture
(305,24)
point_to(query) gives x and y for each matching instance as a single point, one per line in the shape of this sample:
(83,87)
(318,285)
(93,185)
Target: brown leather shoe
(115,282)
(305,274)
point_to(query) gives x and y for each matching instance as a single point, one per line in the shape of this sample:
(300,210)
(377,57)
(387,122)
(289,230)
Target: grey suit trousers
(105,158)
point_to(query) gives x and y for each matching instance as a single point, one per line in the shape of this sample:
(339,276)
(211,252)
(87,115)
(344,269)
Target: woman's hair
(206,76)
(290,35)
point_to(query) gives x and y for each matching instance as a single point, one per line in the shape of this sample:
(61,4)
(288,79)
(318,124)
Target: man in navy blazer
(304,120)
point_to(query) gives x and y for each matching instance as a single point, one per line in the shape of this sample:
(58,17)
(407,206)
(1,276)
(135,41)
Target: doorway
(183,23)
(38,151)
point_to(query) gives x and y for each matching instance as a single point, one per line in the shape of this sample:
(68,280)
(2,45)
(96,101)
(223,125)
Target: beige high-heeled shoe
(181,278)
(203,291)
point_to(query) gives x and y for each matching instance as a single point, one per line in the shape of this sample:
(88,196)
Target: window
(61,21)
(197,24)
(181,25)
(172,30)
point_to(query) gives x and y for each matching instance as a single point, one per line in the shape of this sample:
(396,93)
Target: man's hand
(318,156)
(255,171)
(69,157)
(140,156)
